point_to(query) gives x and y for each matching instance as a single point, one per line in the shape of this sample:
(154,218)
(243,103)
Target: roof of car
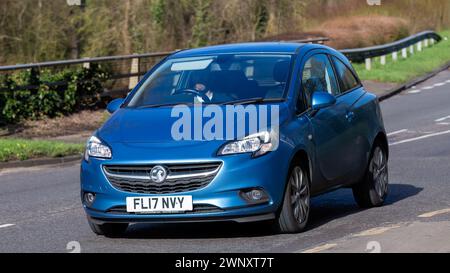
(261,47)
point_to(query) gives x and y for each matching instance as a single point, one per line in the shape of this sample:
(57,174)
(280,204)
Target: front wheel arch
(299,158)
(381,139)
(364,191)
(286,219)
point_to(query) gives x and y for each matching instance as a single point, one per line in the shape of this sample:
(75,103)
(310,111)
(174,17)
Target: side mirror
(114,105)
(322,100)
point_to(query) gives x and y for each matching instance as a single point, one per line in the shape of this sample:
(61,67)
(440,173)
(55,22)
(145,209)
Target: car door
(351,90)
(329,126)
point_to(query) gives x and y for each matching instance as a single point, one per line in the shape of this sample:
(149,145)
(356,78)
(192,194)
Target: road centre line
(6,225)
(434,213)
(419,138)
(442,119)
(415,91)
(397,132)
(319,248)
(375,231)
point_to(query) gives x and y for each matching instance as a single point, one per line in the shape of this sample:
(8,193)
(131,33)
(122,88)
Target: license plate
(159,204)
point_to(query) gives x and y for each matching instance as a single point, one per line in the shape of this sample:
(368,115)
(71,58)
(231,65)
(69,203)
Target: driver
(201,85)
(201,88)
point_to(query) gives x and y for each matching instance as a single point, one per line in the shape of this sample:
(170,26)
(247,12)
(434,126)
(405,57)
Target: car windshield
(219,79)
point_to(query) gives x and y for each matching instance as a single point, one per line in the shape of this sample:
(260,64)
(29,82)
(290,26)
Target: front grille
(197,208)
(180,177)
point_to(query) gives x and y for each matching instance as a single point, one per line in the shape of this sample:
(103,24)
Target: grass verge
(403,70)
(22,149)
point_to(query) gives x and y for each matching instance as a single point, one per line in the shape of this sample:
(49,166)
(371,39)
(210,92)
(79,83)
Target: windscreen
(215,80)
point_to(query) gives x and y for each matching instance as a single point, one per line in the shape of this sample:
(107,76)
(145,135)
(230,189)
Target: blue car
(158,160)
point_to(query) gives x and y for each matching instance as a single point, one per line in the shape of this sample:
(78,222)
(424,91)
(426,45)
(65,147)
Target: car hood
(155,125)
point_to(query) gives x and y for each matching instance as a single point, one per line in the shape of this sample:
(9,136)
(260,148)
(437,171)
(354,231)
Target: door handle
(350,116)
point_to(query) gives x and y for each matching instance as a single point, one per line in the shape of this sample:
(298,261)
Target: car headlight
(96,148)
(258,144)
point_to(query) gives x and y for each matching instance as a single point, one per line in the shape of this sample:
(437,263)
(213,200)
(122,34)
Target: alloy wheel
(379,172)
(300,196)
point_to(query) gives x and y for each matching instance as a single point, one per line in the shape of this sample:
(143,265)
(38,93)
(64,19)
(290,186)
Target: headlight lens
(96,148)
(258,144)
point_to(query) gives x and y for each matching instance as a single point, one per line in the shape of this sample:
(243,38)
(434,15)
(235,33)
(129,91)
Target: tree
(202,23)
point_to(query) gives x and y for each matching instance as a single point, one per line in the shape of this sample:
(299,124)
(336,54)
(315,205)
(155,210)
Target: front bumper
(101,218)
(222,195)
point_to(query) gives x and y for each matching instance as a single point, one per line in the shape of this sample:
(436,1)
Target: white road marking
(416,91)
(442,119)
(319,248)
(443,123)
(397,132)
(419,138)
(375,231)
(6,225)
(434,213)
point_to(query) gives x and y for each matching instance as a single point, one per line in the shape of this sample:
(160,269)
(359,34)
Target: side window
(318,76)
(346,78)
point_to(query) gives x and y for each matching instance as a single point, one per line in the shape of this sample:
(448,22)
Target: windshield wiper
(251,100)
(161,105)
(233,102)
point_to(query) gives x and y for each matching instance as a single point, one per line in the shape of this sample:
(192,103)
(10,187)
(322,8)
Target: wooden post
(394,56)
(419,46)
(134,69)
(411,49)
(425,43)
(368,64)
(87,65)
(431,41)
(383,60)
(404,53)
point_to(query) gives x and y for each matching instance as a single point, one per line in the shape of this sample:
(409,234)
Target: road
(40,209)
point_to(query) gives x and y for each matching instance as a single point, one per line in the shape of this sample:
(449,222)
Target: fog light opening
(255,195)
(89,198)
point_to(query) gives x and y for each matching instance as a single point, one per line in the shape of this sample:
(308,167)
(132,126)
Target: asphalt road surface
(40,210)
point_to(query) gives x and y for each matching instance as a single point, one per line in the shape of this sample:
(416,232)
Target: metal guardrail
(123,67)
(361,54)
(83,61)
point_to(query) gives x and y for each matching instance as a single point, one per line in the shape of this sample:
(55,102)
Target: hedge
(51,94)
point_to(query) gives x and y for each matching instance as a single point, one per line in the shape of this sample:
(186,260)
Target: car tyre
(108,229)
(294,213)
(372,190)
